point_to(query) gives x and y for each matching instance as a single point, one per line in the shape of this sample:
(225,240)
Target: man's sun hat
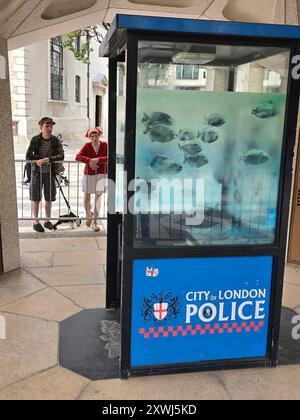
(46,120)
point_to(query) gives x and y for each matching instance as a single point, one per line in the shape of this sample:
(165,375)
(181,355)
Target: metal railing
(67,183)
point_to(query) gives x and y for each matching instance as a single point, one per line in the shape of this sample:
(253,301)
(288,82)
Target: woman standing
(94,155)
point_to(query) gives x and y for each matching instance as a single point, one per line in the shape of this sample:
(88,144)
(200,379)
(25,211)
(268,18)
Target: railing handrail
(56,161)
(70,194)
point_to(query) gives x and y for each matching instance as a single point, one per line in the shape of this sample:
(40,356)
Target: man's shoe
(38,228)
(49,225)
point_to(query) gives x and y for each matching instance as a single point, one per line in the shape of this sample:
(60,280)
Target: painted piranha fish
(190,148)
(165,166)
(196,161)
(157,118)
(255,157)
(187,135)
(215,120)
(160,133)
(264,110)
(208,136)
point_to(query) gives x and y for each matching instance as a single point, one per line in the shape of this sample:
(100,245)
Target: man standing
(46,150)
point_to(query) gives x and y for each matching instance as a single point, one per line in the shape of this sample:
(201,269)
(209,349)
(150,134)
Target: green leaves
(79,41)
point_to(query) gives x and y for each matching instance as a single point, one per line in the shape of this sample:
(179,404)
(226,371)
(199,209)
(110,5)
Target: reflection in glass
(121,104)
(214,114)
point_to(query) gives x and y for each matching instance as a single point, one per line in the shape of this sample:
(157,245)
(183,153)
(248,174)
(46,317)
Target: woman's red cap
(93,130)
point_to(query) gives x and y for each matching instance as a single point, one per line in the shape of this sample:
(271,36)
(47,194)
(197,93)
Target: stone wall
(8,204)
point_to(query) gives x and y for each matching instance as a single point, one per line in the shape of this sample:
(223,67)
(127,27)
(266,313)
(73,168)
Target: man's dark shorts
(40,182)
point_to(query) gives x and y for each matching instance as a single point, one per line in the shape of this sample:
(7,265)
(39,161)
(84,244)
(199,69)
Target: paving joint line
(28,377)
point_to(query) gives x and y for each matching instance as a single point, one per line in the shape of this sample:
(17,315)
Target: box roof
(192,26)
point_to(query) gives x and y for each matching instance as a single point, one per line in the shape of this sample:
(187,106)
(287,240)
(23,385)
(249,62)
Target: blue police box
(202,123)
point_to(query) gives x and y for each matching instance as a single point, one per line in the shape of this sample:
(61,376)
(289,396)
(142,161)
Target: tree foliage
(85,35)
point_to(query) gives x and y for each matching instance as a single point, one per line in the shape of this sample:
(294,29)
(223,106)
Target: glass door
(294,246)
(117,107)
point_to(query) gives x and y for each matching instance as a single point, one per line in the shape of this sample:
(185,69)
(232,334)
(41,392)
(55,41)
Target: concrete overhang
(24,22)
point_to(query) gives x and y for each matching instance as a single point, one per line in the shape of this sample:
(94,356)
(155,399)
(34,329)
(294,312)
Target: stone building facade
(83,101)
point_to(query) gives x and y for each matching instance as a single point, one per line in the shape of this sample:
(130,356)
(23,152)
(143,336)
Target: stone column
(8,196)
(256,79)
(220,80)
(19,82)
(291,12)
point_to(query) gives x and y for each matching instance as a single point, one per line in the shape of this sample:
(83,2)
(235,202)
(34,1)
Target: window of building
(15,128)
(78,44)
(77,89)
(187,72)
(56,68)
(99,106)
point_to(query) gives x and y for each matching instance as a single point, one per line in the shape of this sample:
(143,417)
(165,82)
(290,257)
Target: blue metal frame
(198,26)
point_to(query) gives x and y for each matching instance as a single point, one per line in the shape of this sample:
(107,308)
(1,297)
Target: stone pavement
(62,276)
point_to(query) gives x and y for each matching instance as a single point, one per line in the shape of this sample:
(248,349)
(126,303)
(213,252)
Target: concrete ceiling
(23,22)
(8,8)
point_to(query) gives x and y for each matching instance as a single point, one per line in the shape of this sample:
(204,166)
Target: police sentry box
(202,123)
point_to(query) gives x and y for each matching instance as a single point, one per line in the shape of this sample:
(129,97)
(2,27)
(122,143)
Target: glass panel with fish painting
(208,149)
